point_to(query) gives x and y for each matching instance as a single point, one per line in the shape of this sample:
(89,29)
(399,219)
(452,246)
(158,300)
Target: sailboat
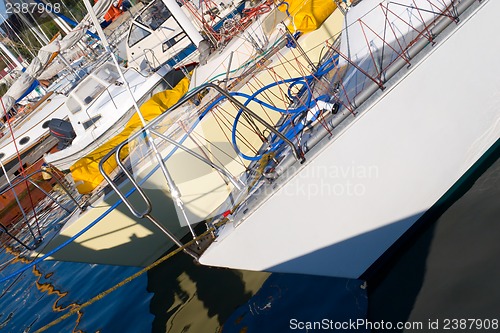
(101,108)
(25,137)
(407,139)
(158,37)
(303,152)
(27,130)
(121,229)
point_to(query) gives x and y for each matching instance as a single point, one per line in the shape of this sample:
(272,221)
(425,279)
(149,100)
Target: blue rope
(306,81)
(322,70)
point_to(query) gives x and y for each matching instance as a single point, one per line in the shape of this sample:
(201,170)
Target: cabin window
(73,105)
(107,73)
(24,140)
(87,124)
(86,92)
(154,15)
(136,35)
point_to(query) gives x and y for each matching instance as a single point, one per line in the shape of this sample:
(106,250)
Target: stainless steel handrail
(20,180)
(148,128)
(28,178)
(234,181)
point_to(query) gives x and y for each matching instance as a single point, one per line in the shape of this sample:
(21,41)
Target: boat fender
(204,51)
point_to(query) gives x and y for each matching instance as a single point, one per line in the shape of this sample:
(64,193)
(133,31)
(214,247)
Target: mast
(58,20)
(17,35)
(38,36)
(10,55)
(36,27)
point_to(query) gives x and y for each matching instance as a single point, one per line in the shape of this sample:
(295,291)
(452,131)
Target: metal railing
(348,97)
(26,180)
(150,131)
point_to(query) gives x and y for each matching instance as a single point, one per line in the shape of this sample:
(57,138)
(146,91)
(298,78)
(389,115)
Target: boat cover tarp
(85,171)
(307,15)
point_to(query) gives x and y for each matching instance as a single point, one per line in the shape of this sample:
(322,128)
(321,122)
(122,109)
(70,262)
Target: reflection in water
(6,320)
(287,299)
(17,255)
(192,298)
(50,289)
(44,287)
(28,328)
(187,297)
(445,269)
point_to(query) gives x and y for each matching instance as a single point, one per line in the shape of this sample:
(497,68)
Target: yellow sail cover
(85,171)
(308,15)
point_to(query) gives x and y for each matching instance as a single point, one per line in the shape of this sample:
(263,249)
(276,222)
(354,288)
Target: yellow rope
(120,284)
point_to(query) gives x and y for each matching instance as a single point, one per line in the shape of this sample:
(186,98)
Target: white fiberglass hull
(115,108)
(32,130)
(119,238)
(357,196)
(64,159)
(116,236)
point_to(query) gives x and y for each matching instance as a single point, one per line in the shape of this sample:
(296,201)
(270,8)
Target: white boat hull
(115,108)
(32,130)
(356,197)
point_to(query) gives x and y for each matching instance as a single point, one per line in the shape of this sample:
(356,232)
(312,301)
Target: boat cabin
(83,113)
(155,38)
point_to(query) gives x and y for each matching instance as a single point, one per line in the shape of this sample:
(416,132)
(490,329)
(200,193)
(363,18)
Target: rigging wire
(23,173)
(6,21)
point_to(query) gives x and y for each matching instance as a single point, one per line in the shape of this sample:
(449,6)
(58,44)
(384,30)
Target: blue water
(176,296)
(292,302)
(52,289)
(448,270)
(146,304)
